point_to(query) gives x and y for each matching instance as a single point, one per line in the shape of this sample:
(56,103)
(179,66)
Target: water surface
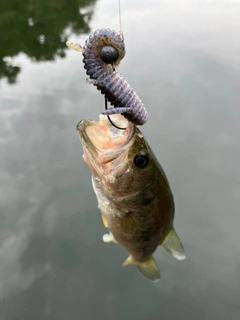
(183,61)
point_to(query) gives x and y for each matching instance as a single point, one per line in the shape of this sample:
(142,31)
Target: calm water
(183,61)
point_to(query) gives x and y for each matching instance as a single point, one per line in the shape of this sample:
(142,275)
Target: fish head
(122,159)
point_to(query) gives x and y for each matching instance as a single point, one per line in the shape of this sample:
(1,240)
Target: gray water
(183,60)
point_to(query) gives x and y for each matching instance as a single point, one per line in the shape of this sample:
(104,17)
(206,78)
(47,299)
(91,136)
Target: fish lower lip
(81,129)
(79,125)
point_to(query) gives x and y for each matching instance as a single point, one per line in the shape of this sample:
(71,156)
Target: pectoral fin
(104,221)
(173,245)
(147,267)
(108,237)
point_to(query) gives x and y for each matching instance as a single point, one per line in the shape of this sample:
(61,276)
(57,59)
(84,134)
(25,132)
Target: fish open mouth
(102,140)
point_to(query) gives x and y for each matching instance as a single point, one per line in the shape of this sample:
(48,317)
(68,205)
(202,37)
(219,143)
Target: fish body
(132,190)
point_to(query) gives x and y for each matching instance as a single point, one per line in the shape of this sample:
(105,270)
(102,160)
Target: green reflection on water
(39,29)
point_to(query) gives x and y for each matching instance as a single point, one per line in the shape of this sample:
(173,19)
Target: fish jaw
(105,147)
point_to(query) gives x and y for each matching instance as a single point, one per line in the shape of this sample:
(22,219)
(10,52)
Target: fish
(132,190)
(102,54)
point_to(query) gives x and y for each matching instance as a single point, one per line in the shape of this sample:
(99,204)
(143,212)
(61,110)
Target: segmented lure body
(102,53)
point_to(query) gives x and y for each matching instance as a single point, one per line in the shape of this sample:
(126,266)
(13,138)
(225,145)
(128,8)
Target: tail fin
(147,267)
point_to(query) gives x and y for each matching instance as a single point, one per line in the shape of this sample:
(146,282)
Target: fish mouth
(102,142)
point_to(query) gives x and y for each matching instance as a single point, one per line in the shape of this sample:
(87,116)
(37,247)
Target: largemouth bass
(132,190)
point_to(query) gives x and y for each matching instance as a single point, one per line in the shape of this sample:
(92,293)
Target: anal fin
(173,245)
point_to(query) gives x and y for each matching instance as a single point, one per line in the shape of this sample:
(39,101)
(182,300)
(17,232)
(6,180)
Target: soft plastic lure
(102,53)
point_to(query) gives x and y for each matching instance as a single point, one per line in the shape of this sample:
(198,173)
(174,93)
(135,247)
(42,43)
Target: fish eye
(141,159)
(109,54)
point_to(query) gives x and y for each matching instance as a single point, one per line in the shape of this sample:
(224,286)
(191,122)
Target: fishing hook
(113,124)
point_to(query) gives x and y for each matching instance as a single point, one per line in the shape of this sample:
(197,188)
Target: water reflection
(39,29)
(43,246)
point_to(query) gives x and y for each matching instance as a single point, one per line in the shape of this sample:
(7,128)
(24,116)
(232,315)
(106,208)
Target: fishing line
(121,34)
(120,18)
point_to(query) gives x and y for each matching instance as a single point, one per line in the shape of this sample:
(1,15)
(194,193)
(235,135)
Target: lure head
(110,45)
(109,54)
